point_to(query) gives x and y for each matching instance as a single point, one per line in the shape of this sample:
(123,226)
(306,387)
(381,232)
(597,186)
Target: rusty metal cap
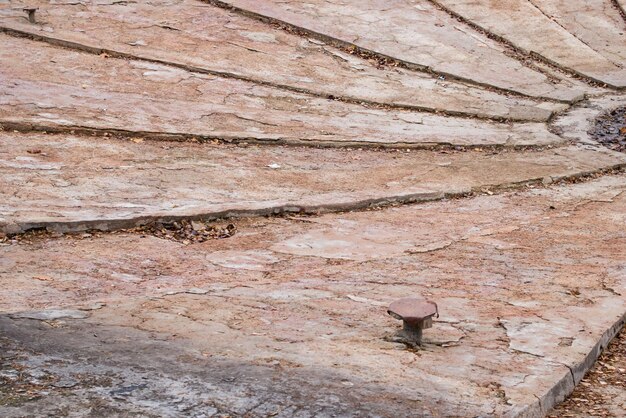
(413,309)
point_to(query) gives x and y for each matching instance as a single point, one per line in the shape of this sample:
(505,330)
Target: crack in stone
(616,4)
(532,2)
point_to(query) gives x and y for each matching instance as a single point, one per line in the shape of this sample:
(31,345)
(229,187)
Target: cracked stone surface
(206,207)
(536,27)
(597,23)
(601,392)
(389,27)
(83,90)
(210,39)
(525,293)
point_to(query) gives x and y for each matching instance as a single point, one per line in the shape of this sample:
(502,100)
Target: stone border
(566,385)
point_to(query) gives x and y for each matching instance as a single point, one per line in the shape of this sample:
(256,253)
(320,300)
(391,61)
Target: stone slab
(597,23)
(391,28)
(525,26)
(554,72)
(530,286)
(210,39)
(74,183)
(53,88)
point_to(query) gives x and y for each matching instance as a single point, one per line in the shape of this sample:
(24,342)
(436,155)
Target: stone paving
(208,40)
(356,153)
(86,91)
(390,28)
(71,183)
(551,30)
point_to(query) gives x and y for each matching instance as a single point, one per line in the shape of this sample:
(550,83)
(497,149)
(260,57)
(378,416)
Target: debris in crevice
(383,61)
(609,129)
(186,231)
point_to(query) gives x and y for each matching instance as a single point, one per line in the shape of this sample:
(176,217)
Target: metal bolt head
(415,314)
(413,310)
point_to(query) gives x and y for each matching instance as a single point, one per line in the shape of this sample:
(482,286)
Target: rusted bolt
(31,13)
(416,315)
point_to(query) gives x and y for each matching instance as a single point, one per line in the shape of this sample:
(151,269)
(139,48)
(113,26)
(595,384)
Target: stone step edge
(114,224)
(29,127)
(564,387)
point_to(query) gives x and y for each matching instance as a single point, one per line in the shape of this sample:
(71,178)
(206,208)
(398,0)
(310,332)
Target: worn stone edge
(568,383)
(113,224)
(12,228)
(29,127)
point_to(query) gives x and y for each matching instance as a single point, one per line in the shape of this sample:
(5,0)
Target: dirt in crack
(610,129)
(188,231)
(184,231)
